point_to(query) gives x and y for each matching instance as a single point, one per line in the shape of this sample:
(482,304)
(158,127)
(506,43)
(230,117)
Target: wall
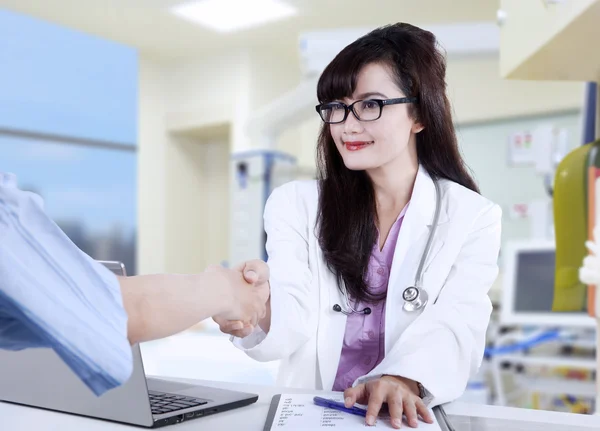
(184,176)
(178,174)
(196,200)
(216,165)
(206,88)
(152,149)
(484,147)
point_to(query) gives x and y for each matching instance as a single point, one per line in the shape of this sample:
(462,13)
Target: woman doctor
(343,250)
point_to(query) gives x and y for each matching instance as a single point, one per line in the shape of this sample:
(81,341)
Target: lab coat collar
(416,225)
(423,198)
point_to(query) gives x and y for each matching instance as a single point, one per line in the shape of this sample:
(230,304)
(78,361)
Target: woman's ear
(417,127)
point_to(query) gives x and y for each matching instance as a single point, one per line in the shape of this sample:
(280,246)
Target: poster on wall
(520,151)
(542,148)
(518,211)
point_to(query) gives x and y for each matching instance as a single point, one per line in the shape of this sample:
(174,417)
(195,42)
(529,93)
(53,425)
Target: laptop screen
(116,267)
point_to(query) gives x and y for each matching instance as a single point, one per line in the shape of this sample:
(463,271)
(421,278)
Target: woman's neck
(393,184)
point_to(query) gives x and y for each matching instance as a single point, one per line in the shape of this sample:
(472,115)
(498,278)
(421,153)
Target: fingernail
(397,423)
(414,424)
(348,402)
(251,274)
(370,420)
(237,325)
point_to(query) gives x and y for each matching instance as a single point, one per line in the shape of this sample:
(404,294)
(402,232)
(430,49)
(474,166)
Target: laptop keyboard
(165,403)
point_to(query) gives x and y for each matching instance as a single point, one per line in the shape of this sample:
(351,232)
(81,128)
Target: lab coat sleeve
(294,300)
(444,346)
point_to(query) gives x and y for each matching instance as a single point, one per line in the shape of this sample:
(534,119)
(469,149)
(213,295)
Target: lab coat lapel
(331,329)
(412,238)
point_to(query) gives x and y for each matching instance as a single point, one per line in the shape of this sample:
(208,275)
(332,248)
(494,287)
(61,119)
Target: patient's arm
(165,304)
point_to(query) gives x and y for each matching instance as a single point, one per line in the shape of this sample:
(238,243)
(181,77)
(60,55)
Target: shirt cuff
(428,397)
(251,341)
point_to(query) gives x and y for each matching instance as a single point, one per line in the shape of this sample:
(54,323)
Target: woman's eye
(369,104)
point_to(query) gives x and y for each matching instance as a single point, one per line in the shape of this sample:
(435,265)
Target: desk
(465,417)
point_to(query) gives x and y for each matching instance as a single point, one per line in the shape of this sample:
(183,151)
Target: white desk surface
(464,417)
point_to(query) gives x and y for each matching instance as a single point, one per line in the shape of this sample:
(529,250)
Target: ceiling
(148,25)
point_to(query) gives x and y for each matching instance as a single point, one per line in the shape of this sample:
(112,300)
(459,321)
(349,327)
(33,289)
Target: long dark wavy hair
(347,213)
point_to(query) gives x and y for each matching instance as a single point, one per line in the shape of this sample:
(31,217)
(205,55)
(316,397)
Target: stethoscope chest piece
(414,299)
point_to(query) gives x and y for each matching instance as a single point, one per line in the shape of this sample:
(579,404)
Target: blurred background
(155,130)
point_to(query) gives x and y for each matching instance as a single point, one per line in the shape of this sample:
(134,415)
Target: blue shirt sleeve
(54,295)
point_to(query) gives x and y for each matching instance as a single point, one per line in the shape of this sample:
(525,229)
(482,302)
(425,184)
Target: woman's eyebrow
(370,94)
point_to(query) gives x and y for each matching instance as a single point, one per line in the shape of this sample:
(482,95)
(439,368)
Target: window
(68,130)
(89,191)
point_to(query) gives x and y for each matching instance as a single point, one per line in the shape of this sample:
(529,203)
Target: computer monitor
(528,287)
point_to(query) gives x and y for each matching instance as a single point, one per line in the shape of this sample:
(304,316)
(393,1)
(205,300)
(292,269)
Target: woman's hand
(255,272)
(400,394)
(246,302)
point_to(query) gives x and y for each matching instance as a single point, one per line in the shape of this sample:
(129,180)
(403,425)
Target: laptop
(39,378)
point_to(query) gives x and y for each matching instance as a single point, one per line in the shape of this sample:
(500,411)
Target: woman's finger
(376,399)
(241,333)
(236,328)
(232,325)
(423,411)
(248,329)
(396,408)
(352,395)
(228,325)
(410,410)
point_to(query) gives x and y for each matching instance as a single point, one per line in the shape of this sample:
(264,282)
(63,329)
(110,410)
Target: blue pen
(323,402)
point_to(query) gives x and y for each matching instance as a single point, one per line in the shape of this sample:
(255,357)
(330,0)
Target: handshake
(248,298)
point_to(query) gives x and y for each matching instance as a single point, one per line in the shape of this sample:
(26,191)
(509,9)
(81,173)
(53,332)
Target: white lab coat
(440,346)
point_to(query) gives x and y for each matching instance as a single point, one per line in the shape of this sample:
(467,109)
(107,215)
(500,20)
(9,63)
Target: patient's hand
(255,272)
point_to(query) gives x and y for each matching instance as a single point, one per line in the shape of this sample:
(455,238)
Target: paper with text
(297,412)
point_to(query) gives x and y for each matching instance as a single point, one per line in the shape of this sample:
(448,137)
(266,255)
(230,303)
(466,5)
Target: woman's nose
(352,125)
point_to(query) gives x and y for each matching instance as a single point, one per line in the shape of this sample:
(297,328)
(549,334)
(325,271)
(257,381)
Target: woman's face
(368,145)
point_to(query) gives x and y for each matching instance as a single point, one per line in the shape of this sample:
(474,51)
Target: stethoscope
(415,297)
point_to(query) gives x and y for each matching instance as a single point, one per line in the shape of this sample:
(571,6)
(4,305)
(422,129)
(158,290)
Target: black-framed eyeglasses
(363,110)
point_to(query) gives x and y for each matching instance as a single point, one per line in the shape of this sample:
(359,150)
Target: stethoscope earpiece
(338,309)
